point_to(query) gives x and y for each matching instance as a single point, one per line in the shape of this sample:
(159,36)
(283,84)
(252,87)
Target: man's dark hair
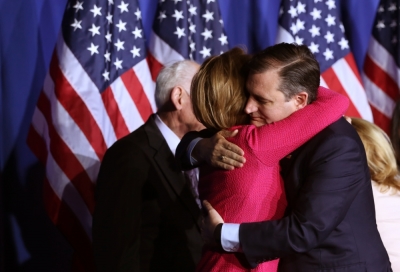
(297,68)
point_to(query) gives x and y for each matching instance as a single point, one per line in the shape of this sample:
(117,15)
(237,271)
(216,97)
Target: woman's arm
(281,138)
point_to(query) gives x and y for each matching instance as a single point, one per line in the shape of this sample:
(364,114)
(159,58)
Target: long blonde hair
(380,154)
(218,90)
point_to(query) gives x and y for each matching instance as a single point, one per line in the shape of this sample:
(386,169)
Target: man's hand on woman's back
(219,152)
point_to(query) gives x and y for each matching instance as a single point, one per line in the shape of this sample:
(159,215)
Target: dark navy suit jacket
(330,222)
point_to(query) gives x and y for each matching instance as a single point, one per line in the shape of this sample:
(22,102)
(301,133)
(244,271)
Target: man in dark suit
(330,221)
(146,216)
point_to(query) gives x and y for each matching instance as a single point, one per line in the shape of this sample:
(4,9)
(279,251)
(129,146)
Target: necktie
(192,177)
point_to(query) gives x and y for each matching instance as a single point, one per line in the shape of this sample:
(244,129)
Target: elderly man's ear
(178,97)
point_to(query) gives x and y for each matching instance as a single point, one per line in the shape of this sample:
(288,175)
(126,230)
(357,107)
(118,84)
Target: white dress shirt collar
(169,136)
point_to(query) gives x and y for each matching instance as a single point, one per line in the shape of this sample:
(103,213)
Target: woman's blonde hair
(380,155)
(218,90)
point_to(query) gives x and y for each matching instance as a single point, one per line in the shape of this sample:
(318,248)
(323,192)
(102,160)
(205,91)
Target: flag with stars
(317,24)
(98,89)
(186,29)
(382,64)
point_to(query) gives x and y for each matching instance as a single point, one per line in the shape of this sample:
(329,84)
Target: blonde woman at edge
(385,185)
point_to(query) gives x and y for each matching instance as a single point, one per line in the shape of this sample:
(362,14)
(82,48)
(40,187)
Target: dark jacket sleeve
(331,184)
(117,216)
(181,153)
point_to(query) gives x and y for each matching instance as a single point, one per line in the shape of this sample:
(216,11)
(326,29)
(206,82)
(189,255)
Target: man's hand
(211,220)
(219,152)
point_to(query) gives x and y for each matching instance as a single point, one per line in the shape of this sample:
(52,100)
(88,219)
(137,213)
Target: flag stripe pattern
(113,110)
(317,24)
(76,107)
(380,78)
(335,84)
(187,30)
(70,226)
(98,89)
(381,67)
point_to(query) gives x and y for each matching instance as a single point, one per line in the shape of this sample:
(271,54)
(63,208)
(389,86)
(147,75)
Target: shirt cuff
(230,237)
(190,148)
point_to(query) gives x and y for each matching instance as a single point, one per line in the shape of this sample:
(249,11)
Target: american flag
(99,88)
(381,67)
(317,24)
(187,29)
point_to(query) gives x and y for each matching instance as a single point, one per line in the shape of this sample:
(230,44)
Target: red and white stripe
(382,83)
(162,52)
(72,127)
(343,77)
(160,55)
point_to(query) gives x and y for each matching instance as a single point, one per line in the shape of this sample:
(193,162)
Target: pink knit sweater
(255,192)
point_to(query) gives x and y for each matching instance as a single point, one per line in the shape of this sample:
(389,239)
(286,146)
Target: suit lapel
(165,161)
(287,163)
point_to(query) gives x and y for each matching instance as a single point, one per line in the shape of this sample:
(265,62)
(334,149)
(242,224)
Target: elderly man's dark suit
(146,218)
(330,223)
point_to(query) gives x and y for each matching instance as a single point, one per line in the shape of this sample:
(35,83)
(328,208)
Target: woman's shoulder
(243,130)
(383,190)
(387,202)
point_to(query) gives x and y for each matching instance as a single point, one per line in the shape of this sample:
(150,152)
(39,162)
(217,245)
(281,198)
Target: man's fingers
(228,133)
(207,206)
(235,149)
(228,145)
(235,154)
(232,163)
(225,154)
(225,166)
(228,162)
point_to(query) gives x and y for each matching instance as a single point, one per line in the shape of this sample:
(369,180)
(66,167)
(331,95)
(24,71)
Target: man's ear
(176,97)
(301,100)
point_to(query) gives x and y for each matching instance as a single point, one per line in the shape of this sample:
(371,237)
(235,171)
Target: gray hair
(178,74)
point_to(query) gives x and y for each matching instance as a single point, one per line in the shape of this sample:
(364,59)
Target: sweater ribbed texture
(255,192)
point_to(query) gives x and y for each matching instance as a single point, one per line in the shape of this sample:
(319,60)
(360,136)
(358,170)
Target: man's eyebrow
(260,98)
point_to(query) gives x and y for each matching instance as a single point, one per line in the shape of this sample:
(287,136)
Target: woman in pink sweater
(219,99)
